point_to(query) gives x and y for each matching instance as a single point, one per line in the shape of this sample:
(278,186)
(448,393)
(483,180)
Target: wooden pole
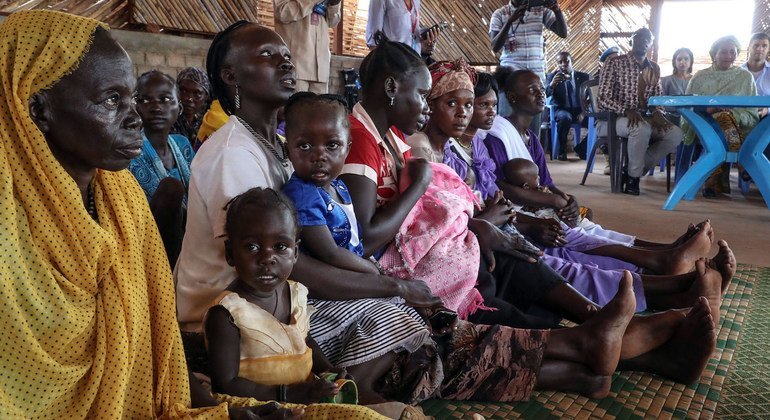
(339,30)
(655,13)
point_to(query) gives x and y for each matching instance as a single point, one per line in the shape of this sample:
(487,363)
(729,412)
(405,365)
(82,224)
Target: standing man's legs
(310,86)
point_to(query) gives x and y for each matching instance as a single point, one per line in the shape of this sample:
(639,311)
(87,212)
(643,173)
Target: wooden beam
(655,13)
(338,31)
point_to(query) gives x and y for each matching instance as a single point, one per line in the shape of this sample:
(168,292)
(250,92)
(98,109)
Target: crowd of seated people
(416,247)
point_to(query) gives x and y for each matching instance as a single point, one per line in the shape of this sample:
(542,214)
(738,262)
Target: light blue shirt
(762,79)
(395,21)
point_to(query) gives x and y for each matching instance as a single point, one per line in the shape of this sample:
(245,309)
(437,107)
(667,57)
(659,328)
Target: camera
(440,26)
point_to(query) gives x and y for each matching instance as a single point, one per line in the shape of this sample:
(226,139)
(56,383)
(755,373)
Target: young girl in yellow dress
(257,330)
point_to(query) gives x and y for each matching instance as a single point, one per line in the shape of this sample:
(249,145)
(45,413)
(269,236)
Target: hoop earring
(237,98)
(392,100)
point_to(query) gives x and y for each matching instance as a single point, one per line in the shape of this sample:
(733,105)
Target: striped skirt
(351,332)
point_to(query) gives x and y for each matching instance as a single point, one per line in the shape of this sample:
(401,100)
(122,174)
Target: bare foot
(682,258)
(603,339)
(646,332)
(684,357)
(692,230)
(725,263)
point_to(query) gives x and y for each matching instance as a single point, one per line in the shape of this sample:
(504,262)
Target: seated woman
(194,93)
(257,330)
(724,78)
(92,308)
(163,168)
(525,89)
(676,83)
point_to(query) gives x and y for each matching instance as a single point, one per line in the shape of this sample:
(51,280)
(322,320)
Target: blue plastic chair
(555,134)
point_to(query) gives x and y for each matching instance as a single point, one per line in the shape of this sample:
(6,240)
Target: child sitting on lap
(257,332)
(318,143)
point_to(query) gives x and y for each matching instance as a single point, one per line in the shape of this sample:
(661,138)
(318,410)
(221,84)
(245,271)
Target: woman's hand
(549,233)
(310,391)
(269,411)
(569,214)
(416,293)
(415,171)
(491,240)
(497,210)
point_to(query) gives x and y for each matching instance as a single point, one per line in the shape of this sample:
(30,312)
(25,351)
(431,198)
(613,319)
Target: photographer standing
(517,29)
(563,87)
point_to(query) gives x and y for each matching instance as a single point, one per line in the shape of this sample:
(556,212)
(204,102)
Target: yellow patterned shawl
(86,309)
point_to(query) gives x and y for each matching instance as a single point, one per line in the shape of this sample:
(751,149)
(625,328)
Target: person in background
(516,29)
(676,83)
(398,20)
(163,168)
(757,64)
(194,94)
(626,83)
(724,78)
(304,25)
(563,87)
(609,53)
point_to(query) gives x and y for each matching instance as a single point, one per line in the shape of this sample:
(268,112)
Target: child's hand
(341,372)
(310,391)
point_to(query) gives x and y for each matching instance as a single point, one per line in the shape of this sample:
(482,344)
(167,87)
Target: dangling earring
(392,100)
(237,98)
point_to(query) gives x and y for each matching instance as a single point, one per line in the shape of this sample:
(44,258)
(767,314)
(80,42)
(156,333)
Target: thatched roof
(593,25)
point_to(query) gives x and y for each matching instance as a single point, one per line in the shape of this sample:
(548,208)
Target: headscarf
(449,76)
(87,315)
(195,75)
(715,46)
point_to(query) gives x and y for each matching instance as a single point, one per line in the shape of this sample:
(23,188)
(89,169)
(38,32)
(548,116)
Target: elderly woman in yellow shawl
(724,78)
(88,316)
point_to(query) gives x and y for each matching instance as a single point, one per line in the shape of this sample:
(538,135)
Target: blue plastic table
(750,155)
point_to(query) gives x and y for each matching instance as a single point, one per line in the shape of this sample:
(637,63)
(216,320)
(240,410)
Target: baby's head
(522,173)
(262,231)
(317,136)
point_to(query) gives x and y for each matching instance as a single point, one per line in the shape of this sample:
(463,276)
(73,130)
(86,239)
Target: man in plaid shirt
(626,84)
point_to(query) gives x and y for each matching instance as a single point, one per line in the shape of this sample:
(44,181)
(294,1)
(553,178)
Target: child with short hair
(317,147)
(257,331)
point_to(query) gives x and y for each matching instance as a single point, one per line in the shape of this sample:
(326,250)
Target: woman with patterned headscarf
(87,316)
(724,78)
(194,95)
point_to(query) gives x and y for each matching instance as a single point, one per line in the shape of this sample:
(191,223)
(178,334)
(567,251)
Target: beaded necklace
(91,207)
(282,159)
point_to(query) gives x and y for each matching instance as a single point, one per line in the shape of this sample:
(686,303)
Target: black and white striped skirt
(351,332)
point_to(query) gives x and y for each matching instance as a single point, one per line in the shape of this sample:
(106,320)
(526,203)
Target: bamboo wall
(467,36)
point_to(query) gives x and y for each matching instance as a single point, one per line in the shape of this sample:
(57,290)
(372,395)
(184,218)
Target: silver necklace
(282,159)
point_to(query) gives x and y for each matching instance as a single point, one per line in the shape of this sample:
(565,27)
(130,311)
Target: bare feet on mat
(604,340)
(682,258)
(684,357)
(725,263)
(647,332)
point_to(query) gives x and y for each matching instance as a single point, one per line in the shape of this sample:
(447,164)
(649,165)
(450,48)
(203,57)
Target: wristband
(281,393)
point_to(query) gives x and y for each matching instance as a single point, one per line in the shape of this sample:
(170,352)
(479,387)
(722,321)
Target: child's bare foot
(646,332)
(682,258)
(603,341)
(725,263)
(684,357)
